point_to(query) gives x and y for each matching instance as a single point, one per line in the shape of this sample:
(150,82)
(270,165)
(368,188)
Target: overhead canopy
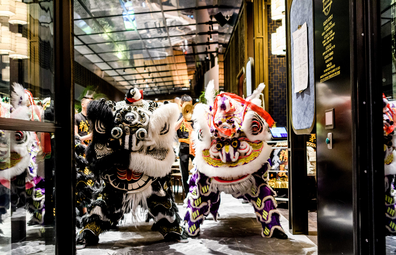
(153,44)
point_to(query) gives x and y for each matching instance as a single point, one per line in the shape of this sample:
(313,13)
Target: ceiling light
(123,71)
(210,37)
(5,74)
(7,8)
(145,69)
(278,41)
(21,47)
(6,40)
(277,9)
(20,16)
(147,85)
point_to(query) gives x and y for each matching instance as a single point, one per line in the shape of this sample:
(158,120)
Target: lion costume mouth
(230,157)
(230,180)
(129,180)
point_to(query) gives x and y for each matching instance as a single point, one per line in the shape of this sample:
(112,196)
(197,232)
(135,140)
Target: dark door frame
(64,133)
(368,178)
(368,165)
(62,127)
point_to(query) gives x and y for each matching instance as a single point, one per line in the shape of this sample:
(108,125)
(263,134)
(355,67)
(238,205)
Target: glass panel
(119,78)
(97,8)
(388,70)
(153,32)
(26,193)
(26,58)
(77,42)
(83,49)
(178,18)
(111,73)
(156,42)
(110,37)
(93,58)
(116,47)
(149,20)
(103,66)
(83,27)
(79,11)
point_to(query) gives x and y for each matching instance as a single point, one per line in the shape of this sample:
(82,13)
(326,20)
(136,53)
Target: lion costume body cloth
(230,135)
(132,152)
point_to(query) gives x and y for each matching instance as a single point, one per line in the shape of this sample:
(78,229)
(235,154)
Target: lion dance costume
(131,150)
(230,135)
(20,183)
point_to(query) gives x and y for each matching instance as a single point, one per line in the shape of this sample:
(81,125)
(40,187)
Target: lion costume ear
(162,124)
(100,113)
(210,93)
(255,96)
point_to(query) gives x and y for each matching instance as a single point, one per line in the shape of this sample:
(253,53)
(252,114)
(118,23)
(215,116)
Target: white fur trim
(150,166)
(269,216)
(132,200)
(236,188)
(272,231)
(18,96)
(200,123)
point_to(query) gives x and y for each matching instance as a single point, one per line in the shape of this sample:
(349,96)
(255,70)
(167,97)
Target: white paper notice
(300,58)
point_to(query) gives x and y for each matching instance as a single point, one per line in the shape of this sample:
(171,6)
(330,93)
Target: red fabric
(46,143)
(260,111)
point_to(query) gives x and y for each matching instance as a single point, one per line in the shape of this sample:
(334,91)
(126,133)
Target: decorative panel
(277,78)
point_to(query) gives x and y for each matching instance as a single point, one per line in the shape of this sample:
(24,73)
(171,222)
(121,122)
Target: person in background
(81,123)
(83,136)
(183,130)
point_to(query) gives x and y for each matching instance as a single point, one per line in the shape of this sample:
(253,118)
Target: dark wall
(85,77)
(277,78)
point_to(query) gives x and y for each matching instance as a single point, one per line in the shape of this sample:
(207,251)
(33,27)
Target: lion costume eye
(235,143)
(141,134)
(116,132)
(219,146)
(257,126)
(19,137)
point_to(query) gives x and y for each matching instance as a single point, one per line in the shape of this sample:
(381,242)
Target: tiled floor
(390,243)
(235,232)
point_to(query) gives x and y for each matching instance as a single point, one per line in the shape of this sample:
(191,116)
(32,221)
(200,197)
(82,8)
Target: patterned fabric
(204,199)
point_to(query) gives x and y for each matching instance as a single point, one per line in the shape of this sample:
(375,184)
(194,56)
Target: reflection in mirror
(26,180)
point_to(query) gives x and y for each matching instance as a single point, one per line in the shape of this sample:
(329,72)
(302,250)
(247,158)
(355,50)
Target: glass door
(30,55)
